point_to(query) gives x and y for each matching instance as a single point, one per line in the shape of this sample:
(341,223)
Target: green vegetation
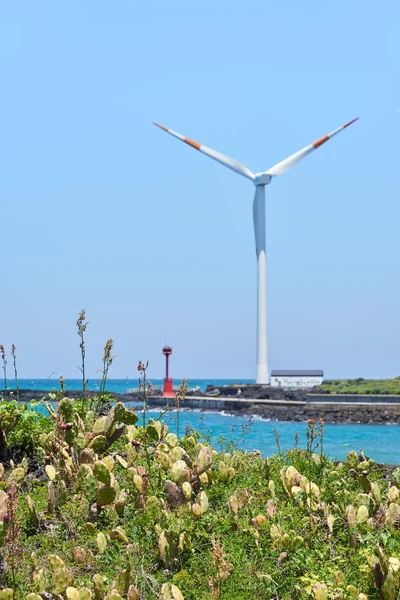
(359,386)
(105,508)
(97,503)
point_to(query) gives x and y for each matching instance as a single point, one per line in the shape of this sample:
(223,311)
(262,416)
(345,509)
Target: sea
(226,432)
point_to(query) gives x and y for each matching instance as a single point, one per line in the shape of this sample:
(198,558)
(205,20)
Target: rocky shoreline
(350,414)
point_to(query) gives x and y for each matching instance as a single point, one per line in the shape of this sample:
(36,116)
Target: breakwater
(295,411)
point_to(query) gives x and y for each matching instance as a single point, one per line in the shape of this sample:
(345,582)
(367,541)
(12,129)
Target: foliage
(20,425)
(133,512)
(359,386)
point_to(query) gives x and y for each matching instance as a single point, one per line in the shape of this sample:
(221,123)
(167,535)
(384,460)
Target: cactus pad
(55,562)
(179,472)
(90,487)
(171,440)
(101,542)
(119,534)
(62,579)
(87,457)
(99,426)
(83,471)
(98,443)
(101,472)
(79,555)
(98,586)
(204,460)
(72,593)
(39,580)
(105,495)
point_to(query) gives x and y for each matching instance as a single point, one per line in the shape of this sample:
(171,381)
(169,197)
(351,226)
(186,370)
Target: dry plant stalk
(144,385)
(180,397)
(14,355)
(61,393)
(221,567)
(3,357)
(81,324)
(107,362)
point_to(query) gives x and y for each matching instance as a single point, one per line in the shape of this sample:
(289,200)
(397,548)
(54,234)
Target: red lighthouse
(168,390)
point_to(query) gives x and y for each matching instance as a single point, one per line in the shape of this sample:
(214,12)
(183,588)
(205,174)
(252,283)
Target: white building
(296,379)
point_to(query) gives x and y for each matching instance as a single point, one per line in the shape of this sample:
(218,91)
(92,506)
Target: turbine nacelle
(262,179)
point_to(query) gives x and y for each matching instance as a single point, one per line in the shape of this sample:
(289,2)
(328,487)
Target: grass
(359,386)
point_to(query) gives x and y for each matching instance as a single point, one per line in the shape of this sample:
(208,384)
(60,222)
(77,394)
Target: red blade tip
(351,122)
(160,126)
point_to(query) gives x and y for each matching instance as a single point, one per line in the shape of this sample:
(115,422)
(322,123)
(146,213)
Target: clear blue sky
(99,209)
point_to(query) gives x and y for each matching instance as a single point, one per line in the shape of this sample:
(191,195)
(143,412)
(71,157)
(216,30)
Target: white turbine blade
(234,165)
(286,164)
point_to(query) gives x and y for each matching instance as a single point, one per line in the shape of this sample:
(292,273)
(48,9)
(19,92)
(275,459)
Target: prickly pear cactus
(352,459)
(203,502)
(320,592)
(168,547)
(180,472)
(105,495)
(164,461)
(204,460)
(55,562)
(113,596)
(362,514)
(171,440)
(98,586)
(79,555)
(62,579)
(171,592)
(118,534)
(72,593)
(101,542)
(33,596)
(83,471)
(39,580)
(60,493)
(98,443)
(87,457)
(90,487)
(99,426)
(153,507)
(187,490)
(101,472)
(185,542)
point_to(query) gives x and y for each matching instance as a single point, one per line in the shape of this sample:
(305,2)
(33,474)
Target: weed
(3,358)
(14,355)
(82,324)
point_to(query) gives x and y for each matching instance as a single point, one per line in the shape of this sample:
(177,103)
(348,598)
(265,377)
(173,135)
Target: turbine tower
(260,180)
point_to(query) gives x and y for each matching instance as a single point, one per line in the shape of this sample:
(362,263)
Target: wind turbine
(260,180)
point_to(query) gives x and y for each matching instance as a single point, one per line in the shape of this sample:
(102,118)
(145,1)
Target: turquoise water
(380,442)
(118,386)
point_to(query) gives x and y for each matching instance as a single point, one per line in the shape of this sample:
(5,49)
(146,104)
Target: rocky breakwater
(293,405)
(256,392)
(350,413)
